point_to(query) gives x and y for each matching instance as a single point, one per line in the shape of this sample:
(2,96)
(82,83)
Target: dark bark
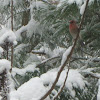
(4,88)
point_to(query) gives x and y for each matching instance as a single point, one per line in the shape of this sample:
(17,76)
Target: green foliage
(53,31)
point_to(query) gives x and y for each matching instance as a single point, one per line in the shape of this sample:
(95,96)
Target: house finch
(73,29)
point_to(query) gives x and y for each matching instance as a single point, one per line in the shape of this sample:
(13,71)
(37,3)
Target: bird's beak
(69,21)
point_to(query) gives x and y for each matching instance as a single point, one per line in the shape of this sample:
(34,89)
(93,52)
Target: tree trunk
(26,14)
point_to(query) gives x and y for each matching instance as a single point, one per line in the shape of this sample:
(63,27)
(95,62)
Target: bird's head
(72,22)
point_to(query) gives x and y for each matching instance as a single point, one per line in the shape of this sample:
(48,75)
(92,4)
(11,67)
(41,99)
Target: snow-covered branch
(68,56)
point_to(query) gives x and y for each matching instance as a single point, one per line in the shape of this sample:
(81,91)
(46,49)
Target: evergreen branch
(59,57)
(38,52)
(47,60)
(81,58)
(94,75)
(68,57)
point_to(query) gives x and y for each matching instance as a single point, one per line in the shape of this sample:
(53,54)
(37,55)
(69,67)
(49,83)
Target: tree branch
(38,52)
(50,59)
(61,89)
(94,75)
(67,59)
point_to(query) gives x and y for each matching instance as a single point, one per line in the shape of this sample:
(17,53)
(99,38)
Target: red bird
(73,29)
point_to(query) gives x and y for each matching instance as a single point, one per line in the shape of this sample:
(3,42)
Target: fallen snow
(31,90)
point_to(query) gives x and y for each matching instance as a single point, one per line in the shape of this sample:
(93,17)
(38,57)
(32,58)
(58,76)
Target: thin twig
(67,59)
(12,30)
(94,75)
(7,49)
(38,52)
(61,89)
(50,59)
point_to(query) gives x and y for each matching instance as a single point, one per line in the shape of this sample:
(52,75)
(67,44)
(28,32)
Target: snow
(20,48)
(98,95)
(4,64)
(7,35)
(37,4)
(51,53)
(34,89)
(82,8)
(29,68)
(75,79)
(31,90)
(78,2)
(32,27)
(64,57)
(31,60)
(19,31)
(1,50)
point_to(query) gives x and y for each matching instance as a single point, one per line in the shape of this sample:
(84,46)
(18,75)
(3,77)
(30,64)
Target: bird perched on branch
(73,29)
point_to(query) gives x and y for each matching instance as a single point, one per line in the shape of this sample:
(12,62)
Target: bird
(74,30)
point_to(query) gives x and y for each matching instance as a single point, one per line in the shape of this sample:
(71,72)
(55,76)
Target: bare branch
(38,52)
(12,30)
(61,89)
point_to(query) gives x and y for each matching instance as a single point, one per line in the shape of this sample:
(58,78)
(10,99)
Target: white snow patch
(98,95)
(32,27)
(75,79)
(4,64)
(31,90)
(38,4)
(83,8)
(1,50)
(7,35)
(29,68)
(64,57)
(20,31)
(78,2)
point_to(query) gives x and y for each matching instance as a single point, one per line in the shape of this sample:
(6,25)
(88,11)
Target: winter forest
(43,57)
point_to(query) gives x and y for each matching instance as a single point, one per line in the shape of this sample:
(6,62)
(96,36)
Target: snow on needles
(98,95)
(82,8)
(4,64)
(29,68)
(31,90)
(64,57)
(75,79)
(1,50)
(7,35)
